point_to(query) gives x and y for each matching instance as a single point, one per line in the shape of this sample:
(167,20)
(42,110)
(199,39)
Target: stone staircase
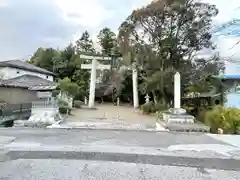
(180,122)
(196,127)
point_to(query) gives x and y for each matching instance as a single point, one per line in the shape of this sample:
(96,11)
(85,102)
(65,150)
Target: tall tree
(44,58)
(107,38)
(69,87)
(66,64)
(85,44)
(36,56)
(168,34)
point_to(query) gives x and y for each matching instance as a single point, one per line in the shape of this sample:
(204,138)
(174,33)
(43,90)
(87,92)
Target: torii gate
(94,66)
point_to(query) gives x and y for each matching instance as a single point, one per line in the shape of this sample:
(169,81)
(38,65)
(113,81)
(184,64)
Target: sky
(27,24)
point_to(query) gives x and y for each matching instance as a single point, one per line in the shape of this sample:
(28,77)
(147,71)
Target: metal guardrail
(15,112)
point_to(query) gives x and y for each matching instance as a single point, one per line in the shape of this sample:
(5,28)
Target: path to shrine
(107,116)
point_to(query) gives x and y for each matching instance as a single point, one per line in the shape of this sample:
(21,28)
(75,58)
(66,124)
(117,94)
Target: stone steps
(181,127)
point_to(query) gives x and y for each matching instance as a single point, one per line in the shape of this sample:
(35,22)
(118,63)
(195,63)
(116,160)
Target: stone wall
(17,95)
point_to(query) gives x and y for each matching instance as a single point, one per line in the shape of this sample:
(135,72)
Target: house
(15,68)
(21,82)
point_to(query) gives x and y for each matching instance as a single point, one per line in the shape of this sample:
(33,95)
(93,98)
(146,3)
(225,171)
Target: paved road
(102,170)
(30,154)
(106,137)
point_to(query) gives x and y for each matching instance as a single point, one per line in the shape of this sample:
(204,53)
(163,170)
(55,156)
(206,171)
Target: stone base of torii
(94,66)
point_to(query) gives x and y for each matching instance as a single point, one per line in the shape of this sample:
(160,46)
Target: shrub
(160,107)
(148,108)
(62,103)
(63,107)
(190,110)
(227,119)
(77,104)
(232,115)
(64,110)
(200,116)
(55,93)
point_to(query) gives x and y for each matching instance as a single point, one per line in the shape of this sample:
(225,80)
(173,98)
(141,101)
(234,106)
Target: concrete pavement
(49,169)
(6,139)
(195,145)
(106,154)
(234,140)
(106,137)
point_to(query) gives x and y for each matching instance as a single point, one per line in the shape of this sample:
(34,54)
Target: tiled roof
(25,66)
(28,81)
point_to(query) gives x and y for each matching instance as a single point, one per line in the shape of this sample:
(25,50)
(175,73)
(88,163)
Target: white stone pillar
(177,90)
(85,100)
(118,101)
(92,84)
(135,88)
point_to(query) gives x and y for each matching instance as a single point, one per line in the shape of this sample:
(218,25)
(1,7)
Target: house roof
(25,66)
(228,76)
(30,82)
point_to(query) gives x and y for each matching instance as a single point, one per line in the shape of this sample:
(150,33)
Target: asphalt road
(48,154)
(106,137)
(101,170)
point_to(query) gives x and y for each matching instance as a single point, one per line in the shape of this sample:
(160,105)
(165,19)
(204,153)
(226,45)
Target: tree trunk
(155,98)
(163,101)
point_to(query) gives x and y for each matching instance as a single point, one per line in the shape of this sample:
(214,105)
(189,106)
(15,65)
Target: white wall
(2,72)
(9,73)
(233,100)
(41,110)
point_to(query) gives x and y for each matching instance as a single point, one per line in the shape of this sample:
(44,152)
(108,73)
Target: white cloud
(228,10)
(228,37)
(29,24)
(3,3)
(229,53)
(89,13)
(227,44)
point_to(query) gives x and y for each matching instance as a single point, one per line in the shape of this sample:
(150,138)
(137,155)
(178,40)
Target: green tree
(67,63)
(81,77)
(36,56)
(164,37)
(44,58)
(106,39)
(69,87)
(85,44)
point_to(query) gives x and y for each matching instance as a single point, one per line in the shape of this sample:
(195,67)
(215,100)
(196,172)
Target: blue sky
(29,24)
